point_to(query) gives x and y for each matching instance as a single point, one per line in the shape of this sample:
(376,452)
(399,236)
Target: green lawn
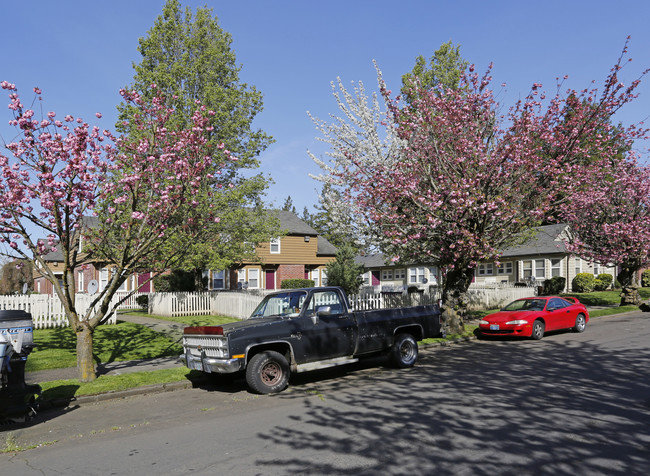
(56,348)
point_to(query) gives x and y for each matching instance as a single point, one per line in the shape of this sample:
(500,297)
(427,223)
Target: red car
(532,317)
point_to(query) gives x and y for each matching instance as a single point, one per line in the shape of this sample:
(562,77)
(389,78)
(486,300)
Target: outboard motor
(17,398)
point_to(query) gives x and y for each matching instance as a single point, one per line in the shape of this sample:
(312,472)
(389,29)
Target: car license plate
(197,365)
(494,327)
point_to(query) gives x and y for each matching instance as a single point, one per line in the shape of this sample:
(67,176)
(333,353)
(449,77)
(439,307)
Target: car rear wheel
(538,329)
(267,372)
(581,323)
(404,352)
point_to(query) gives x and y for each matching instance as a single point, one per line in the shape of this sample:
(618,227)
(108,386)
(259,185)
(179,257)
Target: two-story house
(299,253)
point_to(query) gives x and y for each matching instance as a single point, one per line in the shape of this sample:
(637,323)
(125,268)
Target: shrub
(175,282)
(143,302)
(344,271)
(603,282)
(555,285)
(583,283)
(645,278)
(297,283)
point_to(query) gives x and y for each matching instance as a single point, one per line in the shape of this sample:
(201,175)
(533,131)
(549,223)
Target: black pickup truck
(306,329)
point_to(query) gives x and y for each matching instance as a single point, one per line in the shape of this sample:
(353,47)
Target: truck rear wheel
(267,372)
(404,352)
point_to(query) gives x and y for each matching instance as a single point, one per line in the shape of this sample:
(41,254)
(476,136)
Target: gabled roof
(544,240)
(325,248)
(377,260)
(290,222)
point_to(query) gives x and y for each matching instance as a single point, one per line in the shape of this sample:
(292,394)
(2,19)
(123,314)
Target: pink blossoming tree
(467,181)
(130,203)
(611,224)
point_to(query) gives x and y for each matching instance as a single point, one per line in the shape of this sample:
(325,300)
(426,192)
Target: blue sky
(81,52)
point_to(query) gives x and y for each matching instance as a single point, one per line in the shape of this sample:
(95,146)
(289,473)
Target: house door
(144,288)
(270,279)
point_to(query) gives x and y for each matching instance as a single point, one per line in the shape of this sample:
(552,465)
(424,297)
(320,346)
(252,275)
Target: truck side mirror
(314,319)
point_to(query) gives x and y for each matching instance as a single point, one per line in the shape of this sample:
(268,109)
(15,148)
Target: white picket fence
(241,304)
(47,311)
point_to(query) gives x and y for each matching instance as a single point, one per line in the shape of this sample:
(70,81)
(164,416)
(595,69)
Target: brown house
(299,254)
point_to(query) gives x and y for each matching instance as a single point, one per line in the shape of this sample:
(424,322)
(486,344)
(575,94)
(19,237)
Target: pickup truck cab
(306,329)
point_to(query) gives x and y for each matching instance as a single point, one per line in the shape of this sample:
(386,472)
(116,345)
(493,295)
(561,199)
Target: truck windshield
(283,304)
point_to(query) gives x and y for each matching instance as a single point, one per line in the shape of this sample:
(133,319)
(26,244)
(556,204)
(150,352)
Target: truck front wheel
(267,372)
(404,352)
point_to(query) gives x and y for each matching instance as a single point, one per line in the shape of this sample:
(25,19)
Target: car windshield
(526,305)
(283,304)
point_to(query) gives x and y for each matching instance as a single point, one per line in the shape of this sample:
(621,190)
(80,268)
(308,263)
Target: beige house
(541,257)
(388,277)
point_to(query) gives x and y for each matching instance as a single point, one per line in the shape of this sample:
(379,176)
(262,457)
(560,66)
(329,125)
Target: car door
(559,314)
(330,334)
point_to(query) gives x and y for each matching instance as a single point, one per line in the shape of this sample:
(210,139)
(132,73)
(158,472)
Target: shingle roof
(292,224)
(325,248)
(545,240)
(372,261)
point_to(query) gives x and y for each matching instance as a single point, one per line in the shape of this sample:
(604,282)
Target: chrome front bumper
(210,364)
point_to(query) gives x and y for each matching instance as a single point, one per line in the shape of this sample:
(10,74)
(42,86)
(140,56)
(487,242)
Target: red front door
(270,279)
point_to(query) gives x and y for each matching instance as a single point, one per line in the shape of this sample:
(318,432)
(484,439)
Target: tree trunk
(455,299)
(85,360)
(630,289)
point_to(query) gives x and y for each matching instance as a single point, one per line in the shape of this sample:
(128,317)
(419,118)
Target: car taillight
(205,330)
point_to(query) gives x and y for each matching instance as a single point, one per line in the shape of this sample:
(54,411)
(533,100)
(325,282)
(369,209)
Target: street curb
(103,397)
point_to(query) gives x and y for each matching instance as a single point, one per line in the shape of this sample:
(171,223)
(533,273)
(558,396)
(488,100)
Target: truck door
(334,334)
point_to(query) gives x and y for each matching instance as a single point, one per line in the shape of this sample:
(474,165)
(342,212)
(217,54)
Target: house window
(556,267)
(418,275)
(241,278)
(253,278)
(80,281)
(505,268)
(596,269)
(534,267)
(315,277)
(386,274)
(433,276)
(366,278)
(219,279)
(103,278)
(578,265)
(400,273)
(324,277)
(485,269)
(275,246)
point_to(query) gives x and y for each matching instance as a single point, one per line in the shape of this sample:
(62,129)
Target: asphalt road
(569,404)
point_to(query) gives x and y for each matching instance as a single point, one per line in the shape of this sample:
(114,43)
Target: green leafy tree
(289,206)
(189,58)
(344,271)
(444,70)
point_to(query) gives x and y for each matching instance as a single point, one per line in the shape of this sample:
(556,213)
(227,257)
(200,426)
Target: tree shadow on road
(497,407)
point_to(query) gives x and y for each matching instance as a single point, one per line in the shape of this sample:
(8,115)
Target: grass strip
(68,389)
